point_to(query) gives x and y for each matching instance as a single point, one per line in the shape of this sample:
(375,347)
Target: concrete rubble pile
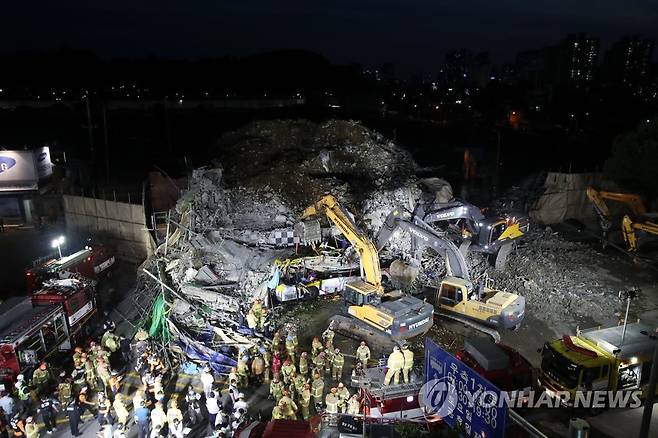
(562,281)
(237,218)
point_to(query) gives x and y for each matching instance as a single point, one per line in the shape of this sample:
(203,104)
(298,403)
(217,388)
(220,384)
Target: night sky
(412,33)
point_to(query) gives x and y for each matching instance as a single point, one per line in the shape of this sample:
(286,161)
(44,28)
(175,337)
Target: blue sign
(6,163)
(461,396)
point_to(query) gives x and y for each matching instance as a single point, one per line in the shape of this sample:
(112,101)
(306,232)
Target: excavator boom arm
(598,197)
(628,228)
(364,246)
(424,237)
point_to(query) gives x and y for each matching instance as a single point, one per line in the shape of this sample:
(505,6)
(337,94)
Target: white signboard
(43,162)
(17,171)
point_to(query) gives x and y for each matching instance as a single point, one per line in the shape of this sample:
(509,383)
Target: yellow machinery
(636,221)
(398,315)
(600,359)
(456,297)
(629,227)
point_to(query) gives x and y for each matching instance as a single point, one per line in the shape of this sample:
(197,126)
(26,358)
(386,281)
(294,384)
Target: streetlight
(57,243)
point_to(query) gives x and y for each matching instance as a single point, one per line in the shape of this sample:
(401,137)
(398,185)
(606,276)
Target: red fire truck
(500,364)
(76,295)
(29,335)
(89,262)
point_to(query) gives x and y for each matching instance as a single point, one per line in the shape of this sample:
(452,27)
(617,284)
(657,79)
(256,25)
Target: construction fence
(565,197)
(119,224)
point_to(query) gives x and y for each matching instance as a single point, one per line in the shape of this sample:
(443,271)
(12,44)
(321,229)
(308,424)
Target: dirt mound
(300,160)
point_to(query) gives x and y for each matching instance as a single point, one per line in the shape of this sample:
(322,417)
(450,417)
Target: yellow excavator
(456,297)
(635,221)
(398,315)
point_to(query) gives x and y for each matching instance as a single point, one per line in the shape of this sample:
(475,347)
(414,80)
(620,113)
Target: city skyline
(370,33)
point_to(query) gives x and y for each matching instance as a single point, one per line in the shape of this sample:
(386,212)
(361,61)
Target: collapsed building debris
(237,219)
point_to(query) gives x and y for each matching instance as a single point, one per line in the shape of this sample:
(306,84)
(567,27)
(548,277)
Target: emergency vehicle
(89,262)
(29,335)
(393,402)
(499,364)
(598,360)
(76,295)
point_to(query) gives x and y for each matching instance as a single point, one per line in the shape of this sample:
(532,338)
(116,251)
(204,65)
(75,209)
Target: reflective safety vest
(23,392)
(339,360)
(408,359)
(317,387)
(303,365)
(363,353)
(395,361)
(277,413)
(305,397)
(64,390)
(332,403)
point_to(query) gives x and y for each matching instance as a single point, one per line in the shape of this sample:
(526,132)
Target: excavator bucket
(308,232)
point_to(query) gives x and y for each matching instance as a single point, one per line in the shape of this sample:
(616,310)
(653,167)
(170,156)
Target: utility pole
(90,129)
(107,145)
(628,295)
(167,131)
(651,392)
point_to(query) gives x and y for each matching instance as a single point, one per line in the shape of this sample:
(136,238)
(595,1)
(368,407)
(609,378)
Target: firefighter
(258,368)
(303,364)
(408,356)
(243,371)
(305,401)
(255,317)
(278,411)
(363,354)
(331,402)
(290,347)
(103,373)
(78,376)
(353,405)
(395,365)
(318,363)
(64,391)
(343,396)
(316,347)
(110,341)
(90,375)
(120,409)
(276,341)
(104,415)
(317,389)
(328,357)
(298,382)
(328,334)
(276,389)
(41,378)
(337,365)
(267,362)
(287,370)
(292,406)
(77,357)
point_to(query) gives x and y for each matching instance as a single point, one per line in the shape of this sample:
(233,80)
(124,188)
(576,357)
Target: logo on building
(6,163)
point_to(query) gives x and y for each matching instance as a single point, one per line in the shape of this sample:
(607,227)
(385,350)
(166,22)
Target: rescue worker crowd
(46,393)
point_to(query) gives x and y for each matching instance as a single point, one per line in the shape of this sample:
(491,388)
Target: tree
(634,159)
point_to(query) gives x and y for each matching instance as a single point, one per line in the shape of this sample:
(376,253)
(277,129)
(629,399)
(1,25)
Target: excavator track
(469,322)
(357,330)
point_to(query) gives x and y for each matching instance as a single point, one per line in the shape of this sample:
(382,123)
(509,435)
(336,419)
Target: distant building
(583,57)
(571,62)
(628,63)
(457,68)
